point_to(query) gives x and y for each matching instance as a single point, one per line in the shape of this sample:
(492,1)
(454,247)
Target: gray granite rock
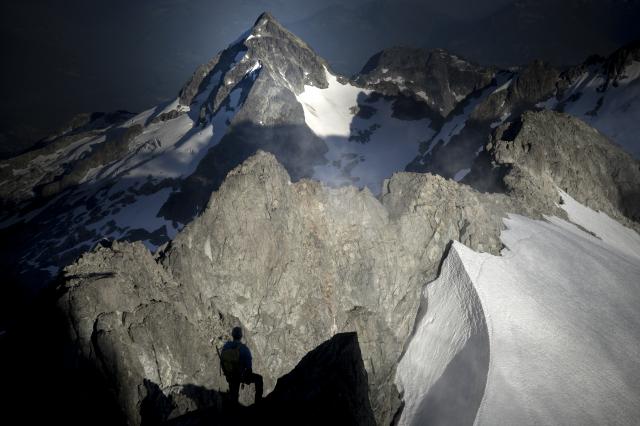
(547,150)
(293,263)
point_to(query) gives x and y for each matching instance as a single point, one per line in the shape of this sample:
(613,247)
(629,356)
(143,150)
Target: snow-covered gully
(546,333)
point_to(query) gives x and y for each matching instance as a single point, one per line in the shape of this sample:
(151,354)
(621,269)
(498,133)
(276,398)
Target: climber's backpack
(230,361)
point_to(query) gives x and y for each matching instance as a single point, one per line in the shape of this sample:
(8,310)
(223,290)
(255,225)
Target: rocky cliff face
(295,263)
(438,78)
(548,150)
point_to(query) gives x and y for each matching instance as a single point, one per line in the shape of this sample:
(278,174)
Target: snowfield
(363,150)
(546,333)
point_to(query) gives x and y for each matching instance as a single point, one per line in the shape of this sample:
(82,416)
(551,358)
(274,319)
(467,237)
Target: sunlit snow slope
(366,142)
(546,333)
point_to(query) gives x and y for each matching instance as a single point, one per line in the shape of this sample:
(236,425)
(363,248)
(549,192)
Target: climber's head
(236,333)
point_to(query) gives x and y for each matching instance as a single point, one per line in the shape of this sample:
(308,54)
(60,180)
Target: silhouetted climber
(235,360)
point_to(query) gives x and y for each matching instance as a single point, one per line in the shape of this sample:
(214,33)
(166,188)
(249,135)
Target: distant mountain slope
(601,91)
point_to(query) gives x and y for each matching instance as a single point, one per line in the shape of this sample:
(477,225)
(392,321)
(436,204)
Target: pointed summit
(284,55)
(267,25)
(263,18)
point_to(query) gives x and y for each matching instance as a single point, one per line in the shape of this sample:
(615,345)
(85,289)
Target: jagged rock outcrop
(436,77)
(139,327)
(508,95)
(332,375)
(614,68)
(547,150)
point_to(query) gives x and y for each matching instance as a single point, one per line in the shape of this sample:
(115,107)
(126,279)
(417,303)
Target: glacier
(546,333)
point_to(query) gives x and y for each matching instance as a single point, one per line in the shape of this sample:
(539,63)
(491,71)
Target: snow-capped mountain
(144,177)
(602,92)
(147,176)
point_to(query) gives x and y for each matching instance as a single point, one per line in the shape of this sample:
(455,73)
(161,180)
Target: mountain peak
(266,24)
(265,17)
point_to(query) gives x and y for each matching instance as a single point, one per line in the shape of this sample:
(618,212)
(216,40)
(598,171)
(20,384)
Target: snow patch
(423,95)
(254,68)
(608,230)
(452,328)
(461,174)
(502,119)
(362,151)
(327,112)
(550,103)
(504,86)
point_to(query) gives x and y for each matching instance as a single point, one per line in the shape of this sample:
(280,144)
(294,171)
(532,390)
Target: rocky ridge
(295,263)
(600,91)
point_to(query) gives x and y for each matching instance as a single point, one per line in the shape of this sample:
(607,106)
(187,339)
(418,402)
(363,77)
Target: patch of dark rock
(364,136)
(372,63)
(485,176)
(166,116)
(408,108)
(44,379)
(510,133)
